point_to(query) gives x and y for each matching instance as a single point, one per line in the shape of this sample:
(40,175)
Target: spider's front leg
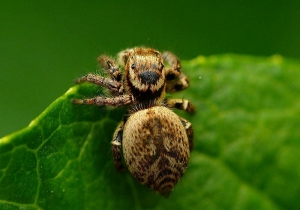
(112,85)
(123,56)
(116,145)
(176,80)
(175,66)
(110,65)
(104,101)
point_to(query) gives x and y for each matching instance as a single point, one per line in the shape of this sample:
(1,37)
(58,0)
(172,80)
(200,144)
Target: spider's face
(145,70)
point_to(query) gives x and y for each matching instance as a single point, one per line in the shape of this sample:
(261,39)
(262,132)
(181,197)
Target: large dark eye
(133,66)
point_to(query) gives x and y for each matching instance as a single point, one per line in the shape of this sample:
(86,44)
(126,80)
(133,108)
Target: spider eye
(133,66)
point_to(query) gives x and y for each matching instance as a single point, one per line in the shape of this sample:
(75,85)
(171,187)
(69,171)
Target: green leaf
(247,145)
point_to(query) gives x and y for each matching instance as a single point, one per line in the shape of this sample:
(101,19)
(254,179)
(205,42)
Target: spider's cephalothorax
(155,142)
(144,73)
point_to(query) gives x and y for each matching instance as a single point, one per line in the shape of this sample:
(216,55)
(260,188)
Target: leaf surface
(247,145)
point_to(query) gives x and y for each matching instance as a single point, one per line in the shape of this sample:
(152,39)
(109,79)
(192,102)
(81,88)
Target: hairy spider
(155,142)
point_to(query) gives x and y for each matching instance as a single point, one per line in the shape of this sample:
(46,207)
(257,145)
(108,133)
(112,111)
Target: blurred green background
(45,45)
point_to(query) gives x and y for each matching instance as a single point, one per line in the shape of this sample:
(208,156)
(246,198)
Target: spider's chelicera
(154,141)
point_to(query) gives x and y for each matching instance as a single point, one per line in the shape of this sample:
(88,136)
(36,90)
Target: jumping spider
(156,143)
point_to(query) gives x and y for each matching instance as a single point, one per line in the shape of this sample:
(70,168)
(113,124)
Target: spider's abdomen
(156,148)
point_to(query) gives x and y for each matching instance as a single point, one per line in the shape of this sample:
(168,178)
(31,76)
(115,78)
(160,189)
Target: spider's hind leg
(187,106)
(116,146)
(189,132)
